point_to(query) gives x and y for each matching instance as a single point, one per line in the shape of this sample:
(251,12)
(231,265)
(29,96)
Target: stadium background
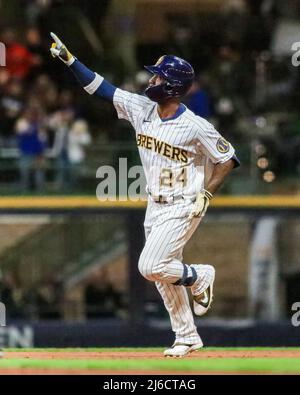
(68,263)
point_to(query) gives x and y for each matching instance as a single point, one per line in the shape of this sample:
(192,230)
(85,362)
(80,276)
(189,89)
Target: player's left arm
(220,172)
(224,158)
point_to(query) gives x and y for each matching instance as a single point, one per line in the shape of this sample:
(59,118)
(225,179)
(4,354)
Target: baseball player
(185,161)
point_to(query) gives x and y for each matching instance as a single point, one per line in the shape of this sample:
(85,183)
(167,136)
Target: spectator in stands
(11,105)
(60,123)
(38,50)
(11,295)
(44,93)
(70,138)
(66,100)
(199,100)
(19,60)
(101,298)
(79,138)
(48,298)
(32,142)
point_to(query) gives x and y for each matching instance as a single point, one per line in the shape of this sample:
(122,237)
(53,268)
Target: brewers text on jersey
(162,148)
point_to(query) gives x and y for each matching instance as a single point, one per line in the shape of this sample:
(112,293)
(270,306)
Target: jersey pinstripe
(175,153)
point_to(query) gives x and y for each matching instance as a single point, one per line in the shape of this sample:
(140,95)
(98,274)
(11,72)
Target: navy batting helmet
(178,75)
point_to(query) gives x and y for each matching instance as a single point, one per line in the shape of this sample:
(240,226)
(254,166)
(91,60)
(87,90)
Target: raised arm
(92,82)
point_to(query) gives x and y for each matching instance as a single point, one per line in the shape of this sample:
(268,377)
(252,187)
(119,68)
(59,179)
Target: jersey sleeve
(129,105)
(214,145)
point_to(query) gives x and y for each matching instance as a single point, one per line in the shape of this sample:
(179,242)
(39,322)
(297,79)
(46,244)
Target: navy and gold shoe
(203,300)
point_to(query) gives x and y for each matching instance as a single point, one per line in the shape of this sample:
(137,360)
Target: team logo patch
(222,145)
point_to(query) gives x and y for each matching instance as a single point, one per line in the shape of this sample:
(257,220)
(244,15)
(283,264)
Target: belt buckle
(161,199)
(165,200)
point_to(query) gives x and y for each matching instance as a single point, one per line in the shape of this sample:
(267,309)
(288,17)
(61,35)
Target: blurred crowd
(38,117)
(246,85)
(246,82)
(48,299)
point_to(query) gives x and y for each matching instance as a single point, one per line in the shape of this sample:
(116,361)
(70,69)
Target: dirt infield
(203,354)
(77,372)
(133,355)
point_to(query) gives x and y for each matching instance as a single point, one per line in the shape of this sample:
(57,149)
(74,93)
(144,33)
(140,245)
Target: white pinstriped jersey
(176,153)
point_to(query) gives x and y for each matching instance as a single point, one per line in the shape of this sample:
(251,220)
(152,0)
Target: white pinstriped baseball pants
(167,230)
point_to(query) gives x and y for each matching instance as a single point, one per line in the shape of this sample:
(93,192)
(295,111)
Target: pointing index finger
(56,39)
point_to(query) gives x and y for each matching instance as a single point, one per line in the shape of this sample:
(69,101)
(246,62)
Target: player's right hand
(58,49)
(201,204)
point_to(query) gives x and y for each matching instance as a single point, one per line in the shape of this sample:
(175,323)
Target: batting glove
(201,204)
(58,49)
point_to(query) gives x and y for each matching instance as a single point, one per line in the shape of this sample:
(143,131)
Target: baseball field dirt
(144,361)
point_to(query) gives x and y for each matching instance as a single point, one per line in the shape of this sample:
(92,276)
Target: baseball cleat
(180,350)
(203,300)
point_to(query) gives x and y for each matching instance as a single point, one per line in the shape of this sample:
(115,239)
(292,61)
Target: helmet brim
(156,70)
